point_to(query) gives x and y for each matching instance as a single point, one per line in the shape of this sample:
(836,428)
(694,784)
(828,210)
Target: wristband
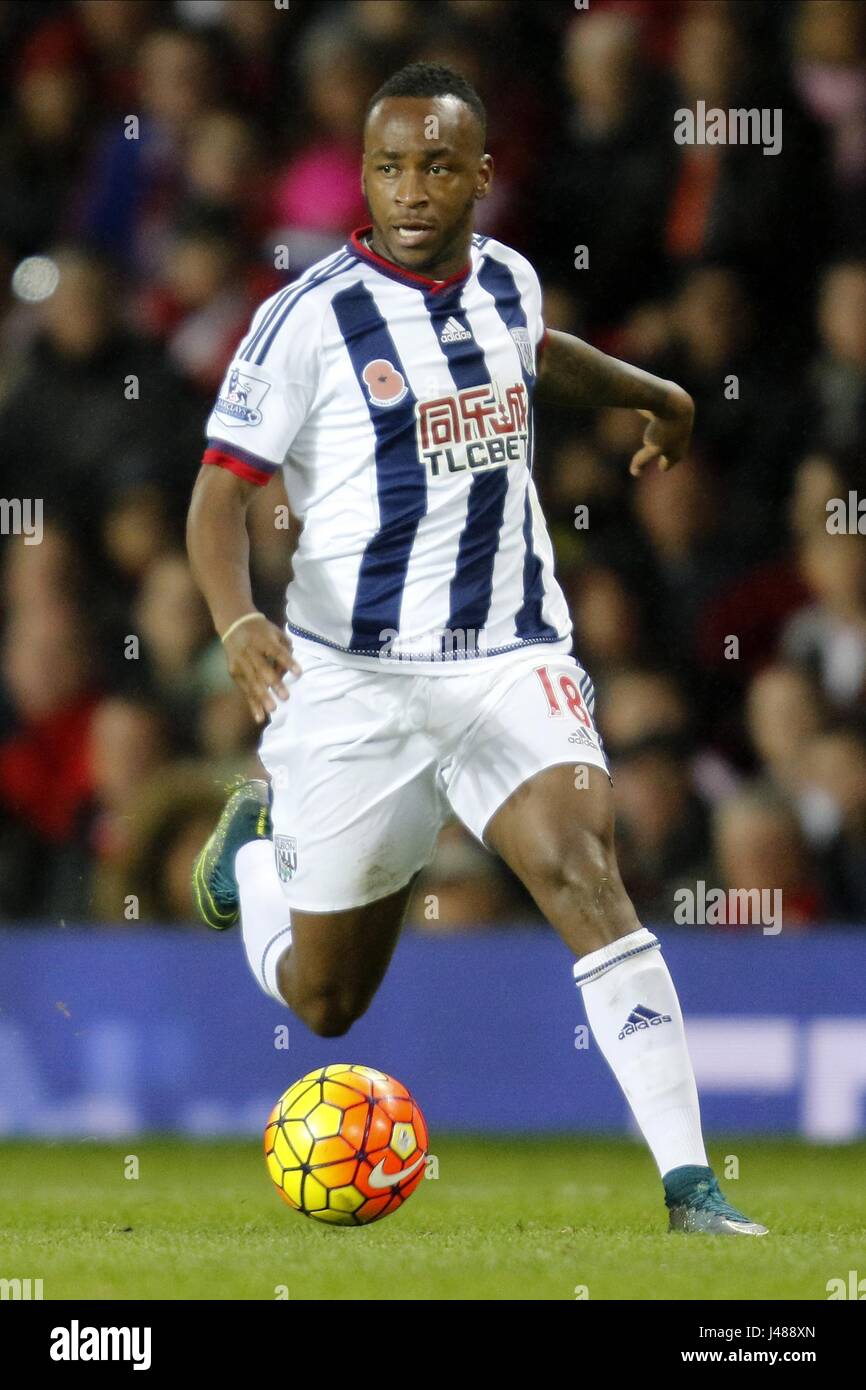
(237,622)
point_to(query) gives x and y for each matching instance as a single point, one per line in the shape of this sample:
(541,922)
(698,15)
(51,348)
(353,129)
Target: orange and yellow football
(346,1145)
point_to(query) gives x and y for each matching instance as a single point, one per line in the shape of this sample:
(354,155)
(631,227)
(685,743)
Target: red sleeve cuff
(246,466)
(542,344)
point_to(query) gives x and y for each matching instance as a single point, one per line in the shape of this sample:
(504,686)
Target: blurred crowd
(159,152)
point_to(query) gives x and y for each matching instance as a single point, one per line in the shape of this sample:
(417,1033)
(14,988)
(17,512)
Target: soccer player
(426,666)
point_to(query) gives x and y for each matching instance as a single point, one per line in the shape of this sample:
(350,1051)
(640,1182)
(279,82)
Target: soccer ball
(346,1145)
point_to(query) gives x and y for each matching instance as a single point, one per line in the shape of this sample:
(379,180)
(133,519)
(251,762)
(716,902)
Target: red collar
(407,277)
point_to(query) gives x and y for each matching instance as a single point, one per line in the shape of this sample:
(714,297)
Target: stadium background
(745,770)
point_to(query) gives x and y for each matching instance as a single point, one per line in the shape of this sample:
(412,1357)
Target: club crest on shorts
(286,853)
(240,398)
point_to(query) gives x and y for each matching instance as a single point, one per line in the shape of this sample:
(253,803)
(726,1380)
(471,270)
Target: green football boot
(695,1202)
(246,817)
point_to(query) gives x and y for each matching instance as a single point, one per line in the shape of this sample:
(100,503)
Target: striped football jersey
(399,409)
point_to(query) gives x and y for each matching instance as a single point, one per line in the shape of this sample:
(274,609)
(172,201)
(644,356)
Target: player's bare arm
(575,373)
(257,651)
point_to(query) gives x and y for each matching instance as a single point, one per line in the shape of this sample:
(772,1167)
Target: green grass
(521,1219)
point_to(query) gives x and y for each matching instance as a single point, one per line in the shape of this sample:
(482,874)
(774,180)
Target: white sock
(626,985)
(265,916)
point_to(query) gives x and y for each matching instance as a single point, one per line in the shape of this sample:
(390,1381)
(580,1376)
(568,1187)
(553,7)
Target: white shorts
(367,766)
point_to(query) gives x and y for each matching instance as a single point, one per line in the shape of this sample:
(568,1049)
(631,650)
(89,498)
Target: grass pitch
(506,1219)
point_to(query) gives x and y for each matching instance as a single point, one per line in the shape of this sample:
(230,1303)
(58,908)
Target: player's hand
(666,438)
(259,654)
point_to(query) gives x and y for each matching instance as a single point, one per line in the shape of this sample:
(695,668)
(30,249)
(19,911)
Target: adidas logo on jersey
(454,332)
(643,1017)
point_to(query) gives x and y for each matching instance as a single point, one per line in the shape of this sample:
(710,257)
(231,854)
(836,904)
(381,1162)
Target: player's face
(423,171)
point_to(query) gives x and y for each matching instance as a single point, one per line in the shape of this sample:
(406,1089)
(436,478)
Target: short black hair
(432,80)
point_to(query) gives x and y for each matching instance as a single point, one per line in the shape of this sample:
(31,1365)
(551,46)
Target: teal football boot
(695,1202)
(246,817)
